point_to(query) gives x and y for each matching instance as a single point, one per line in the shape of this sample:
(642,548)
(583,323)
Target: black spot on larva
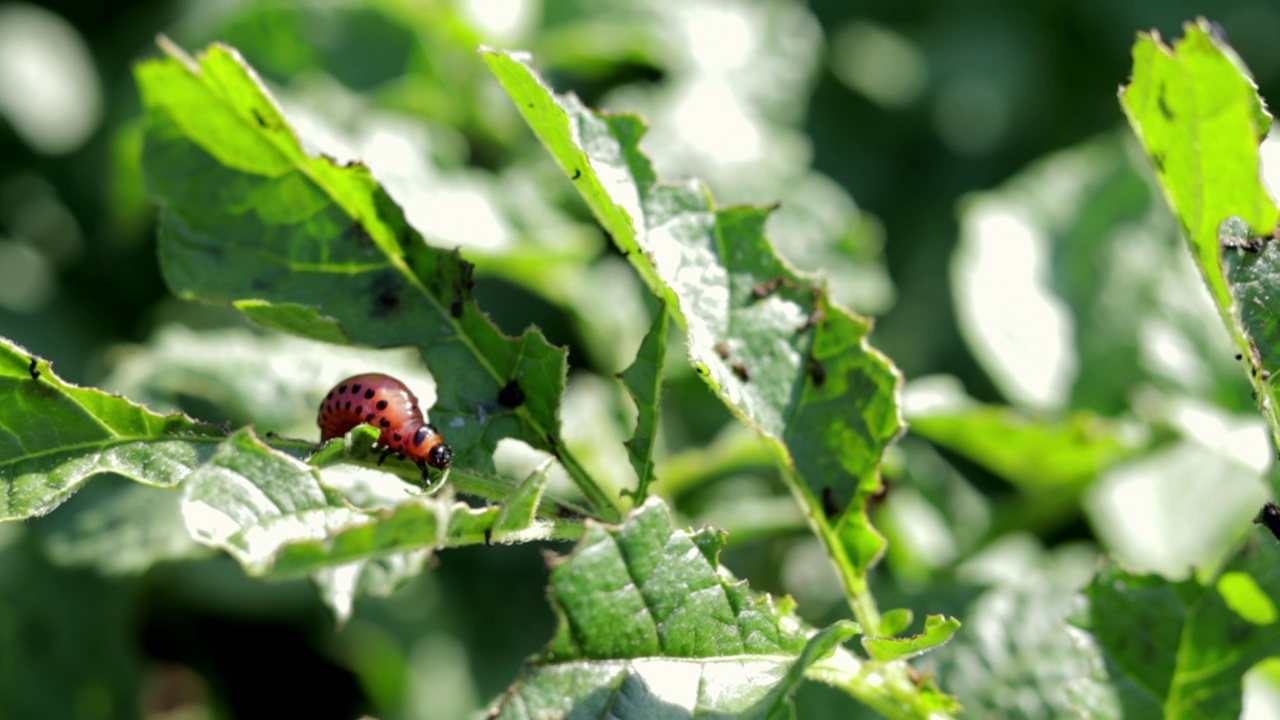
(394,436)
(356,388)
(722,349)
(577,173)
(369,418)
(347,406)
(511,395)
(330,395)
(34,369)
(421,436)
(830,506)
(817,372)
(384,422)
(1269,517)
(359,409)
(368,394)
(741,371)
(382,405)
(342,389)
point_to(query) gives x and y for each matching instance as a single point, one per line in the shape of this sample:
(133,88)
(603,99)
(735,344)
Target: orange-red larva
(385,403)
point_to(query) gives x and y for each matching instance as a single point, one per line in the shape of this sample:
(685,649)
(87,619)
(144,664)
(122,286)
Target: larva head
(440,457)
(427,444)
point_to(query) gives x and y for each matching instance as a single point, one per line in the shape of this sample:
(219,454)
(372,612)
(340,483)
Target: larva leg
(385,452)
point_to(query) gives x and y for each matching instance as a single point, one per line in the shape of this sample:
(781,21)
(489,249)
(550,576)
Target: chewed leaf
(643,380)
(937,631)
(651,625)
(54,436)
(767,339)
(272,513)
(520,507)
(1200,120)
(320,249)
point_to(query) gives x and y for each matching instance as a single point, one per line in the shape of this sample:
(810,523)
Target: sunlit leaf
(767,339)
(249,216)
(54,436)
(1197,113)
(649,623)
(937,631)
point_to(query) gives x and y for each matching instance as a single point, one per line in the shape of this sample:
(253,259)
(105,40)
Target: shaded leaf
(1182,647)
(117,526)
(69,635)
(643,380)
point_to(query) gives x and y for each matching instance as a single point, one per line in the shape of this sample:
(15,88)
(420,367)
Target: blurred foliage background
(960,171)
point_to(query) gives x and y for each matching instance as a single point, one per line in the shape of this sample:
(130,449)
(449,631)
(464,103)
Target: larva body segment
(387,404)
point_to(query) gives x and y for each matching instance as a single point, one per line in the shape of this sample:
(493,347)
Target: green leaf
(249,216)
(68,642)
(895,621)
(1031,452)
(643,380)
(767,339)
(1198,116)
(521,506)
(651,625)
(272,513)
(222,371)
(1185,647)
(937,631)
(54,436)
(117,526)
(1018,657)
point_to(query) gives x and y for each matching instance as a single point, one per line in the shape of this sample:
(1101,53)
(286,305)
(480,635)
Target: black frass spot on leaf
(511,395)
(385,289)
